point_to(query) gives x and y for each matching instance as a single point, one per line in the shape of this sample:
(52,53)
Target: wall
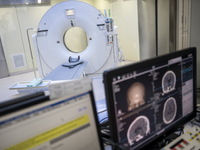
(15,20)
(163,27)
(195,32)
(3,65)
(102,5)
(125,14)
(147,28)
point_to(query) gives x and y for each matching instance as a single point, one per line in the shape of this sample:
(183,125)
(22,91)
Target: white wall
(10,33)
(125,14)
(15,20)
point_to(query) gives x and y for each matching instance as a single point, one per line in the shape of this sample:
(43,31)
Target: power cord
(103,120)
(41,57)
(115,146)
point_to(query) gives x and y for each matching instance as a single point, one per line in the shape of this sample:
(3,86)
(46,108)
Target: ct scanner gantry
(53,55)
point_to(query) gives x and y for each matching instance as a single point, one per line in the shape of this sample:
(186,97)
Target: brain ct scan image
(138,129)
(135,95)
(169,111)
(168,81)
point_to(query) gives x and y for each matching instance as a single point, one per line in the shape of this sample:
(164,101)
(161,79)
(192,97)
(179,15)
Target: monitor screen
(68,122)
(149,98)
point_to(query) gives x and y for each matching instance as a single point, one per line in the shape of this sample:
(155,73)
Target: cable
(102,111)
(170,137)
(120,53)
(115,146)
(40,57)
(102,120)
(31,52)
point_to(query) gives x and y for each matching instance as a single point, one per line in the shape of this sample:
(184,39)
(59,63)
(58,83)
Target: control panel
(190,140)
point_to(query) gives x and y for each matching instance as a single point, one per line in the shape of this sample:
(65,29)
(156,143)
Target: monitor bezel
(109,74)
(92,101)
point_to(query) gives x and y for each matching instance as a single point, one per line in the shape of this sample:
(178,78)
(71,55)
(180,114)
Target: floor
(6,83)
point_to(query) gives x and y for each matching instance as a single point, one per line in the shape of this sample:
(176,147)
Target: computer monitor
(69,122)
(145,100)
(21,102)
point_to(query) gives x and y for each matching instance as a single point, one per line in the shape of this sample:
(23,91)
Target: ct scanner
(102,51)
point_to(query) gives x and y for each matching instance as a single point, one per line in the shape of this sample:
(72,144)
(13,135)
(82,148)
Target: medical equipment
(102,50)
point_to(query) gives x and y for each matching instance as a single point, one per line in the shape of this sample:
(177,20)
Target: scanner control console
(190,140)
